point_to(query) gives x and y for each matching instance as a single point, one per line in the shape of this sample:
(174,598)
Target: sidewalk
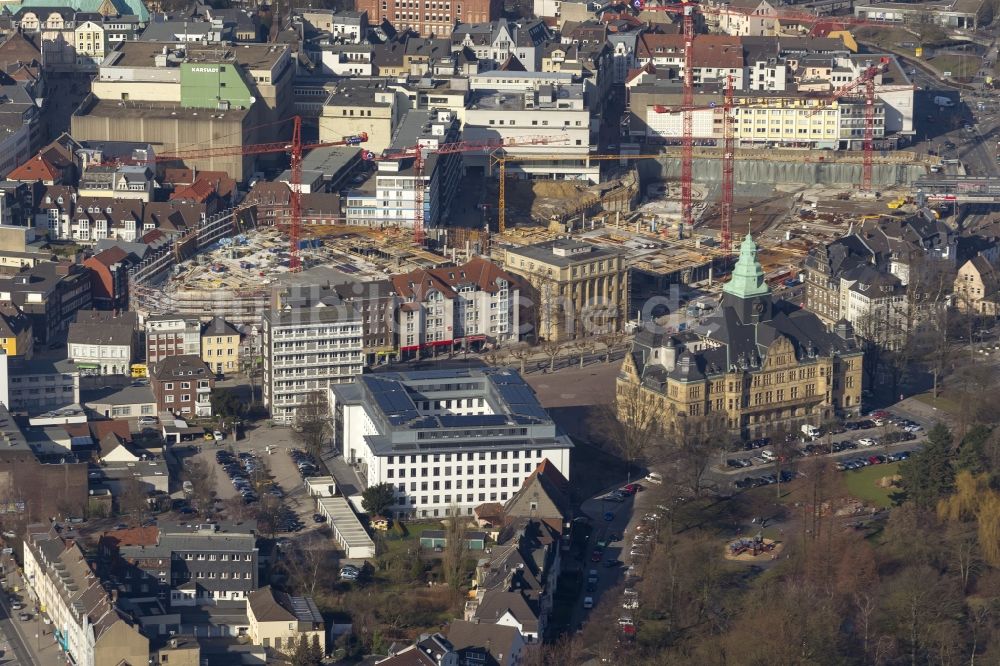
(35,636)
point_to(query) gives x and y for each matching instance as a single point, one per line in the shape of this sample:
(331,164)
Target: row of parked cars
(858,463)
(766,480)
(623,493)
(305,463)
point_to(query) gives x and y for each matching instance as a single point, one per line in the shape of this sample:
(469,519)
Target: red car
(875,460)
(596,556)
(632,488)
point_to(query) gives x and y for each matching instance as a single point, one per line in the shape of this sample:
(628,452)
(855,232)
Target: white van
(810,431)
(768,454)
(654,477)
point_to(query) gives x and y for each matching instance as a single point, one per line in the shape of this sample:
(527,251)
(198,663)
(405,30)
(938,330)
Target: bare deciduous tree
(632,424)
(312,424)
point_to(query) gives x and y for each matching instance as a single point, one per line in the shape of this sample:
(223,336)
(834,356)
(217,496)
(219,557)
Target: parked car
(867,441)
(654,477)
(588,602)
(148,421)
(24,617)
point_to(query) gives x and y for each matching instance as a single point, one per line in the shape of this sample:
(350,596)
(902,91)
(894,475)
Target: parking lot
(880,438)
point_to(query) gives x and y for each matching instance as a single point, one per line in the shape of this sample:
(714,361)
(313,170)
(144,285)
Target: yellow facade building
(16,338)
(220,346)
(757,365)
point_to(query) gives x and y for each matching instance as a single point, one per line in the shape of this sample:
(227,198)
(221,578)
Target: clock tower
(746,292)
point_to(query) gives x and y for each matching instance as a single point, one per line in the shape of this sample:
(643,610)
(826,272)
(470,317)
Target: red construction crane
(418,155)
(867,79)
(686,10)
(728,168)
(294,149)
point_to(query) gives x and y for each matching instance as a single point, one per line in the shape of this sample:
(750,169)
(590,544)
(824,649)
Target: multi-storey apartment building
(88,626)
(400,191)
(169,335)
(306,350)
(38,385)
(195,567)
(50,294)
(447,440)
(757,365)
(781,94)
(578,289)
(183,385)
(457,306)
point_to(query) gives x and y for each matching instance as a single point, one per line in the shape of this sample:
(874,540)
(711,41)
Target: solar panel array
(392,399)
(520,399)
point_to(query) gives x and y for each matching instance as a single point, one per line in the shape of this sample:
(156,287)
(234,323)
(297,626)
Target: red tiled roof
(417,284)
(716,51)
(200,191)
(111,256)
(37,168)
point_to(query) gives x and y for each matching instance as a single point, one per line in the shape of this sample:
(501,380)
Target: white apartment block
(345,60)
(557,114)
(397,181)
(447,440)
(306,350)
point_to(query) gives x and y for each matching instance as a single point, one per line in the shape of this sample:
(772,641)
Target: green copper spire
(748,276)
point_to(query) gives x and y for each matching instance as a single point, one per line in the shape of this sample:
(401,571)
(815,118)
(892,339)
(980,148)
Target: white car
(218,436)
(148,421)
(588,602)
(866,441)
(913,428)
(654,477)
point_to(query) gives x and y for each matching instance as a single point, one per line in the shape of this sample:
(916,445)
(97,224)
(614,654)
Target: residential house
(102,342)
(88,626)
(120,403)
(429,650)
(220,346)
(977,288)
(484,643)
(279,620)
(183,385)
(16,338)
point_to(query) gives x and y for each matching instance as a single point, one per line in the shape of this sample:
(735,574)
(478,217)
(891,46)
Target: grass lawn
(395,543)
(863,483)
(959,66)
(942,403)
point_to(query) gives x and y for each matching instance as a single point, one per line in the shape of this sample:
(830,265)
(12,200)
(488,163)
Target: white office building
(449,440)
(306,350)
(556,114)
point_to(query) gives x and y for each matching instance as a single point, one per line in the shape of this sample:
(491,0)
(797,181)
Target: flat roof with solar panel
(449,409)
